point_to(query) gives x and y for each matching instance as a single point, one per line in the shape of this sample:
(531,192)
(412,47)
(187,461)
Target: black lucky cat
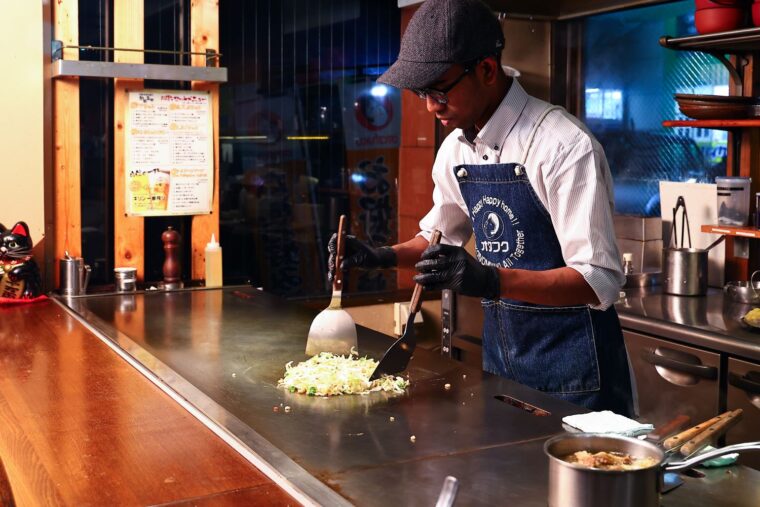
(19,274)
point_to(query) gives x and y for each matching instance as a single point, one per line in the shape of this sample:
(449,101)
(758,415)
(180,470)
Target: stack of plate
(718,107)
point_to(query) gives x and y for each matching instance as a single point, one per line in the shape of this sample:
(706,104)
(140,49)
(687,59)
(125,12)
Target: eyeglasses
(440,95)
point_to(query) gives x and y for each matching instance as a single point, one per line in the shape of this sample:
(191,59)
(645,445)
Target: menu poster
(169,153)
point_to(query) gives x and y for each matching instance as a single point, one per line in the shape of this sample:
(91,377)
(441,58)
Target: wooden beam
(204,33)
(66,158)
(129,232)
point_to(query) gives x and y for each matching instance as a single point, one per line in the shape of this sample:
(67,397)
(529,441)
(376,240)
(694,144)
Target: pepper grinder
(172,267)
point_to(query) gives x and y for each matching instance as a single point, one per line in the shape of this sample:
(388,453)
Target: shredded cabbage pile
(328,374)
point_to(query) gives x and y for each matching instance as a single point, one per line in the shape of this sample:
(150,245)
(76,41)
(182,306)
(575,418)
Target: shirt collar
(503,120)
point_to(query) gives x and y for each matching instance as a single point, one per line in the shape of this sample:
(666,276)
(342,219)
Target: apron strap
(532,134)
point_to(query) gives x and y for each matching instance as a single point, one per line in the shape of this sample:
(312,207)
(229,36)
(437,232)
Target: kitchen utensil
(333,329)
(396,358)
(744,292)
(685,268)
(448,492)
(697,437)
(663,431)
(74,275)
(571,484)
(711,433)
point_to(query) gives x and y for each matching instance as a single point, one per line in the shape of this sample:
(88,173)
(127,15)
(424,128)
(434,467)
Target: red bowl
(720,19)
(756,13)
(712,4)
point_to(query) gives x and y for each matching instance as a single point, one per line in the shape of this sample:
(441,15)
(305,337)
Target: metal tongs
(673,238)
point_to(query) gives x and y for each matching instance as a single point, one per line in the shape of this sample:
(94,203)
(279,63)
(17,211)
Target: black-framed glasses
(440,95)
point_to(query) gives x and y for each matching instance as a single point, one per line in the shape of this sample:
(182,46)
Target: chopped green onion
(328,374)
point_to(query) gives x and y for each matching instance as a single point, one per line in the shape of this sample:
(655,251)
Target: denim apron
(572,352)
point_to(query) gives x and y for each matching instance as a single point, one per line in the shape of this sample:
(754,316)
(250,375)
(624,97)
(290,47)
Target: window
(306,135)
(630,81)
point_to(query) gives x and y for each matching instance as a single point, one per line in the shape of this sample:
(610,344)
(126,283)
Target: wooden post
(204,33)
(129,240)
(67,191)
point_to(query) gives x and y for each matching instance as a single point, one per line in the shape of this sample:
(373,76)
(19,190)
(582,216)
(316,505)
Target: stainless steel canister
(126,279)
(685,271)
(74,275)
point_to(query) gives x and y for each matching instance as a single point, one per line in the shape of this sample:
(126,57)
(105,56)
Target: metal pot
(685,271)
(744,292)
(571,485)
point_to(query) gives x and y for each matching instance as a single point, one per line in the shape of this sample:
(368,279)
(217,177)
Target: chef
(533,186)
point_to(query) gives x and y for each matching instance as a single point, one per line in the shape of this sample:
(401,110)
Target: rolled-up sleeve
(580,205)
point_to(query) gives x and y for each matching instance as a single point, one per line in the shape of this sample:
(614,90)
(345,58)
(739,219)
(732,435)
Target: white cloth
(568,171)
(607,422)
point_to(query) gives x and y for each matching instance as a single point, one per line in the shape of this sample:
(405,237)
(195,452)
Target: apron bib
(571,352)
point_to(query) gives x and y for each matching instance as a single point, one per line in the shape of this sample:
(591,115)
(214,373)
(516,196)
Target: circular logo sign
(372,112)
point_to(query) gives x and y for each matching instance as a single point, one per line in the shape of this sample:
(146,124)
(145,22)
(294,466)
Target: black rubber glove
(358,254)
(451,267)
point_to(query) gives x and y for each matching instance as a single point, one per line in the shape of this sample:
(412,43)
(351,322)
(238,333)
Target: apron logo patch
(493,221)
(492,226)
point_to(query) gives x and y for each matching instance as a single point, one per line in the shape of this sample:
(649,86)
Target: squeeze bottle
(213,263)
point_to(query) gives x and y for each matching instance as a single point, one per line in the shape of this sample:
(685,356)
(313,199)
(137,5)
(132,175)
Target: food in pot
(328,374)
(752,317)
(610,460)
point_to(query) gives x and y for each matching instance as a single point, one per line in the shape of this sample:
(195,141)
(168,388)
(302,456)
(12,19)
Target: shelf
(743,232)
(87,68)
(745,42)
(714,124)
(734,41)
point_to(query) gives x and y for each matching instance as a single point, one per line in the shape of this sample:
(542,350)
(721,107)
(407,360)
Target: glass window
(306,135)
(630,81)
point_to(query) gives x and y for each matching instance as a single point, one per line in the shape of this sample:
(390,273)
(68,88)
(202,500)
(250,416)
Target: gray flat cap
(440,34)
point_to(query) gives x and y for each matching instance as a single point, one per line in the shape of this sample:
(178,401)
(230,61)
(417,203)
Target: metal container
(571,485)
(685,271)
(74,275)
(574,486)
(126,279)
(744,292)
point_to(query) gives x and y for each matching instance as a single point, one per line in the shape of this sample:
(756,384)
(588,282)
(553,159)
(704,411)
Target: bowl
(718,19)
(706,107)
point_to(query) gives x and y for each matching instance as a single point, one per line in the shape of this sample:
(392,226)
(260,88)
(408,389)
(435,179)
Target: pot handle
(696,460)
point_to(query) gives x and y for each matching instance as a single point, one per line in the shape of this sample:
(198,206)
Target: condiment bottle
(213,263)
(628,263)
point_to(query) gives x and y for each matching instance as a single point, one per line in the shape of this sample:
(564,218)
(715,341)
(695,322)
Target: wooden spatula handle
(339,249)
(687,435)
(711,433)
(414,305)
(661,433)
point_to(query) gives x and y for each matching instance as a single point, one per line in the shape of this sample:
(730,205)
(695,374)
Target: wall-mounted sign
(169,153)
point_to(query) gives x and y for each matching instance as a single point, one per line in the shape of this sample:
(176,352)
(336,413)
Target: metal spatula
(397,357)
(333,329)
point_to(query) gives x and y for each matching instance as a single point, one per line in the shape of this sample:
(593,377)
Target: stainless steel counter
(220,353)
(711,321)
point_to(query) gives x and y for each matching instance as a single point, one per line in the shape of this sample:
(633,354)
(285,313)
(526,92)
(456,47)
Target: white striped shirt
(568,171)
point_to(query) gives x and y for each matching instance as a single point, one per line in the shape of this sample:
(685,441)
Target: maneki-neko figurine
(19,274)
